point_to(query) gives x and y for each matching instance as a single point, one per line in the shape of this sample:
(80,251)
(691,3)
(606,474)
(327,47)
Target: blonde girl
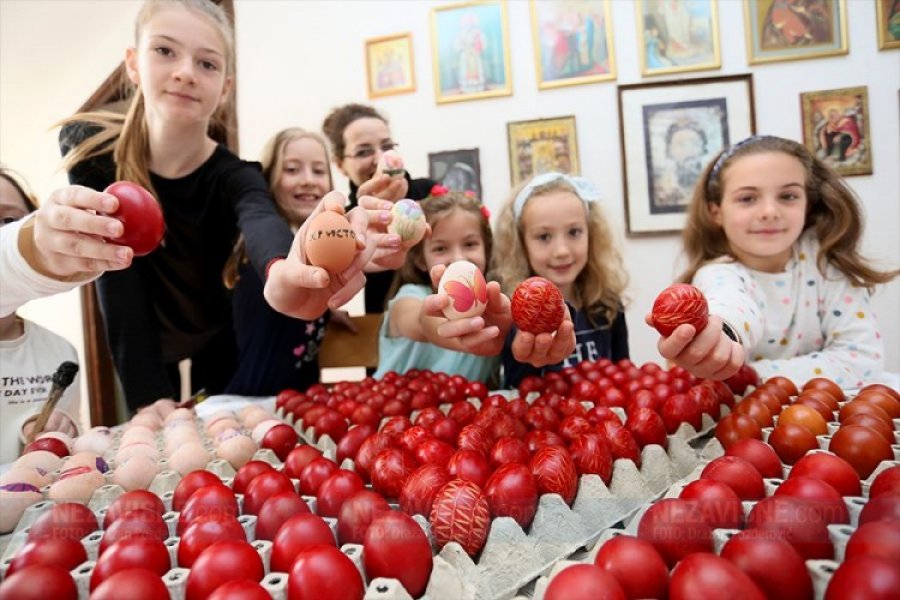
(172,304)
(772,240)
(554,227)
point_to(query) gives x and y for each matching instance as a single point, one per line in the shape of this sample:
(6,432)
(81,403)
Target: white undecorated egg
(136,473)
(262,428)
(236,449)
(94,441)
(465,287)
(189,457)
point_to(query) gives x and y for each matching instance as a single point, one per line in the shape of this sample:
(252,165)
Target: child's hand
(545,348)
(299,290)
(58,421)
(479,335)
(710,354)
(385,187)
(67,237)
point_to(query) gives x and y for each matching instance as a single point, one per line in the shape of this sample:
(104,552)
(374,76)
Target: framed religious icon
(573,42)
(779,30)
(457,170)
(389,65)
(836,129)
(540,146)
(669,132)
(887,16)
(470,51)
(679,36)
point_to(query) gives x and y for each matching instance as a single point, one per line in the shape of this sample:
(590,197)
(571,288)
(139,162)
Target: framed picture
(470,49)
(794,29)
(887,13)
(573,42)
(389,65)
(669,132)
(836,128)
(458,170)
(541,146)
(674,37)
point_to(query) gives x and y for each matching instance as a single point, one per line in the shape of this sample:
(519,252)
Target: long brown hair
(833,212)
(272,160)
(18,182)
(126,135)
(600,285)
(437,207)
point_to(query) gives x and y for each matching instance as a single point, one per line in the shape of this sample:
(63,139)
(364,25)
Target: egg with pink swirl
(466,289)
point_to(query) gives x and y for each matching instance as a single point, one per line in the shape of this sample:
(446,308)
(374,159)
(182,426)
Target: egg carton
(820,571)
(513,557)
(713,449)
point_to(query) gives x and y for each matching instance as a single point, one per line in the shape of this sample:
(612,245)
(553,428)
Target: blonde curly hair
(601,284)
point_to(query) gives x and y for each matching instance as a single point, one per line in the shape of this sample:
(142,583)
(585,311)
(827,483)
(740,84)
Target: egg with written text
(330,242)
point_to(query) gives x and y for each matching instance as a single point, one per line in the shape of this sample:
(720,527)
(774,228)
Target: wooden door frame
(99,371)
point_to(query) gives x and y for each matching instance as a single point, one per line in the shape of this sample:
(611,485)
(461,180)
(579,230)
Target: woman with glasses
(359,135)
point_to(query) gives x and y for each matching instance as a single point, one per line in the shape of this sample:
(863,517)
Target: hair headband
(584,189)
(729,152)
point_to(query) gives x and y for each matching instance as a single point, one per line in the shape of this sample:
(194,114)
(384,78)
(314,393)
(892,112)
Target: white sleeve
(852,353)
(19,282)
(729,290)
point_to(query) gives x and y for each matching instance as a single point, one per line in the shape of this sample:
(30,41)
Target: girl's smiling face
(763,209)
(555,233)
(303,180)
(455,236)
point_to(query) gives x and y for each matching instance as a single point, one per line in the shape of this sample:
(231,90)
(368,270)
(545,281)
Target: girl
(172,304)
(29,354)
(773,242)
(553,227)
(359,135)
(276,352)
(409,338)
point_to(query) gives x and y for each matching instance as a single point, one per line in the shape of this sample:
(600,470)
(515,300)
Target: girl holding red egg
(553,227)
(772,241)
(172,304)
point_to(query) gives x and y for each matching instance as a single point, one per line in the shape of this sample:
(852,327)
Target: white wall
(298,59)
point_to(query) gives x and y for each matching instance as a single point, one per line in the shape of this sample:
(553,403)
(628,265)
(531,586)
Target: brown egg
(330,242)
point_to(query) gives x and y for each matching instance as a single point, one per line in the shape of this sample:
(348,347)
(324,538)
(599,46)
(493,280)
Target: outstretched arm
(297,289)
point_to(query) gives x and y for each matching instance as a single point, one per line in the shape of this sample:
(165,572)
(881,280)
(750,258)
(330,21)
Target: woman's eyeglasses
(369,151)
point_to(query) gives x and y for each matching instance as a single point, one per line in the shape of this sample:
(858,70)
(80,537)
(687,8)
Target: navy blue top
(592,342)
(275,352)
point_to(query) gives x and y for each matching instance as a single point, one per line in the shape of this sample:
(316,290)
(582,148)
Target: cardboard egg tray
(820,570)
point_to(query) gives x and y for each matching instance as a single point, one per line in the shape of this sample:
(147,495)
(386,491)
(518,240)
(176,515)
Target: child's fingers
(434,305)
(437,271)
(455,328)
(349,288)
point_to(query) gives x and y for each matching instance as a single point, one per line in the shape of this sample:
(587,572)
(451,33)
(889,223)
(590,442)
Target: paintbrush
(63,378)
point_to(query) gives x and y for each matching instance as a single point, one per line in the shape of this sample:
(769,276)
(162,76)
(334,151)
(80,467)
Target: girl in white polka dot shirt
(772,241)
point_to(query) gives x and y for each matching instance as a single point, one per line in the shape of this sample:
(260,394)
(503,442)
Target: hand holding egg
(391,163)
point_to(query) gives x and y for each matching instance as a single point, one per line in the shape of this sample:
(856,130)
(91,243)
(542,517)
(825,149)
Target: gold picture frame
(390,69)
(677,38)
(778,32)
(836,128)
(573,43)
(542,145)
(887,16)
(470,51)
